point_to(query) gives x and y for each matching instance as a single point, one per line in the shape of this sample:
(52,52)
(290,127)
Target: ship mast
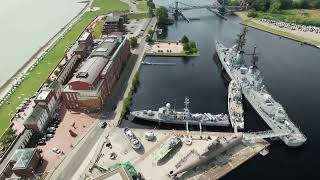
(241,40)
(186,109)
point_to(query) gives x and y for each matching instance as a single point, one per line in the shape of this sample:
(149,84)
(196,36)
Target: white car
(51,129)
(56,150)
(49,135)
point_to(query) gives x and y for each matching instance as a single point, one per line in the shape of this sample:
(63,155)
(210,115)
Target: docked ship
(132,138)
(253,89)
(235,106)
(168,115)
(214,148)
(166,148)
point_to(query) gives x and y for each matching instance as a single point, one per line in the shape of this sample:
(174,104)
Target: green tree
(193,45)
(185,39)
(162,15)
(149,39)
(252,13)
(186,47)
(275,6)
(152,5)
(133,42)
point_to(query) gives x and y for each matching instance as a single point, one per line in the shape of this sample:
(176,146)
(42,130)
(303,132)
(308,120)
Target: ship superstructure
(168,115)
(235,106)
(250,80)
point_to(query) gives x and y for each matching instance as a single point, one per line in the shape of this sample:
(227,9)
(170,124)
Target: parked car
(49,135)
(43,139)
(41,142)
(53,125)
(56,150)
(50,131)
(103,124)
(51,128)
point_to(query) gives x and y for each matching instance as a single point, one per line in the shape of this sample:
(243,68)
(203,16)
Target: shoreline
(250,22)
(40,53)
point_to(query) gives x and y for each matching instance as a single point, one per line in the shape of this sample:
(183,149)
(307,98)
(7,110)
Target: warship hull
(253,98)
(157,119)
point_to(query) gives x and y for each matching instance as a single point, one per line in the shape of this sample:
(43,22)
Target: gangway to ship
(264,134)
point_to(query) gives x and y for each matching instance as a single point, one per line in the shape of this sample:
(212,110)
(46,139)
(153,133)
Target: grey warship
(168,115)
(253,89)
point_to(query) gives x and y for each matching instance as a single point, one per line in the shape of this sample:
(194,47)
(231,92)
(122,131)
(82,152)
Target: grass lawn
(311,17)
(97,31)
(40,73)
(142,6)
(255,23)
(138,15)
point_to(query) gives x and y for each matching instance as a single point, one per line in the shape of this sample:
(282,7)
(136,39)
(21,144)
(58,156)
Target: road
(70,166)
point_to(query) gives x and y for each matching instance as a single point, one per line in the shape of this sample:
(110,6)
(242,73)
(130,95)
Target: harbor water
(26,25)
(290,71)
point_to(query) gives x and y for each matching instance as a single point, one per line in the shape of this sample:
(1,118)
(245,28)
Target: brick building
(93,82)
(46,103)
(115,23)
(85,42)
(22,164)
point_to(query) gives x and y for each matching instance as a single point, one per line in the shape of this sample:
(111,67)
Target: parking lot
(62,141)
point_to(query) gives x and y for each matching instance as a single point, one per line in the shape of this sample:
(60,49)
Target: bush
(133,42)
(8,136)
(252,13)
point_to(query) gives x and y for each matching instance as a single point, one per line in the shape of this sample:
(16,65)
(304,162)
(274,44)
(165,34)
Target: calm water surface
(291,73)
(26,25)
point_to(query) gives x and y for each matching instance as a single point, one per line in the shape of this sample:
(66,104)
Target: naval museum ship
(253,89)
(168,115)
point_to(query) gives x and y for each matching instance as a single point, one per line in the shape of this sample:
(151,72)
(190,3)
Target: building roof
(22,157)
(117,174)
(89,72)
(84,36)
(106,48)
(114,18)
(55,85)
(35,115)
(43,94)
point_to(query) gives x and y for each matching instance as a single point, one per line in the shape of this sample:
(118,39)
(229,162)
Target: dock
(143,161)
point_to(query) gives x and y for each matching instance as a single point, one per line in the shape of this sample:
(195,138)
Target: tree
(186,47)
(184,39)
(150,32)
(252,13)
(152,5)
(162,15)
(149,39)
(193,45)
(133,42)
(275,6)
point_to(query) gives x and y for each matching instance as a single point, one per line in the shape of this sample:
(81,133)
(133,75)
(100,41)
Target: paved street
(72,163)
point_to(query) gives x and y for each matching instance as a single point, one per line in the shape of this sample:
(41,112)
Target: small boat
(235,106)
(166,148)
(133,140)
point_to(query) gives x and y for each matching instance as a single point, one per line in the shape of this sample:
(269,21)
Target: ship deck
(235,109)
